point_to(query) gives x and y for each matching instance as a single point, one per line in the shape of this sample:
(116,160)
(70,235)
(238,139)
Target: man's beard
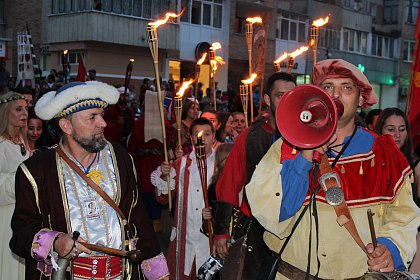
(93,145)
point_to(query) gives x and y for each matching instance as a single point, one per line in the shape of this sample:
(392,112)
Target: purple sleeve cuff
(41,248)
(155,268)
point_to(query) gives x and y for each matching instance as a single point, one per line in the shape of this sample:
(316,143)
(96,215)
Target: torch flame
(311,43)
(184,87)
(250,80)
(131,59)
(159,22)
(254,20)
(218,60)
(216,46)
(298,52)
(202,59)
(65,52)
(281,58)
(200,134)
(321,22)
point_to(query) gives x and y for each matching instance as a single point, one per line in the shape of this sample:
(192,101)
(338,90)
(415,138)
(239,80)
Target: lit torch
(246,94)
(152,37)
(292,57)
(278,61)
(64,62)
(249,34)
(214,62)
(315,34)
(178,108)
(128,75)
(197,73)
(200,154)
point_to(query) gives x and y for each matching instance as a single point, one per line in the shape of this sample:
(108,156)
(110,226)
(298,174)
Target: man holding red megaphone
(314,211)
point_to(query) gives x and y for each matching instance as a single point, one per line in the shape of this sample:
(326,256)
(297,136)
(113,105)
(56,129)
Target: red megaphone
(307,116)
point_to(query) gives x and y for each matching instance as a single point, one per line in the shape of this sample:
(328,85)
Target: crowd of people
(83,179)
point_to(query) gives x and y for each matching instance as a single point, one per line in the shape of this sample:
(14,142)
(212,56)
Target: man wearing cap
(85,185)
(373,174)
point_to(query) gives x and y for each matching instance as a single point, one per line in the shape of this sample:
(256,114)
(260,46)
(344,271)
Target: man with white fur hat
(86,186)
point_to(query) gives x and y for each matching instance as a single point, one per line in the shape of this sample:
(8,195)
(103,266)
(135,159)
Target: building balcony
(108,28)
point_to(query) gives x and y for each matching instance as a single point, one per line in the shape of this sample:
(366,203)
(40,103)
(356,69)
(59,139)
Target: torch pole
(244,100)
(64,62)
(178,112)
(200,153)
(197,76)
(128,76)
(314,37)
(153,45)
(212,62)
(248,34)
(290,65)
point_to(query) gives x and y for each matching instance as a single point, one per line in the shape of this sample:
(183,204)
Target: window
(329,38)
(356,5)
(196,12)
(382,46)
(208,12)
(390,11)
(217,15)
(412,7)
(149,9)
(409,50)
(240,25)
(1,10)
(354,41)
(185,4)
(74,57)
(291,28)
(127,7)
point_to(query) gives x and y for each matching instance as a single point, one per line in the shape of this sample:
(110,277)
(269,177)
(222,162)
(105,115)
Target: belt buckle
(333,195)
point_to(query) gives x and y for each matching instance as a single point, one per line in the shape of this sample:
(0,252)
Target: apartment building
(376,35)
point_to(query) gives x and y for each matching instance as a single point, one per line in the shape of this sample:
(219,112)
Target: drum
(395,275)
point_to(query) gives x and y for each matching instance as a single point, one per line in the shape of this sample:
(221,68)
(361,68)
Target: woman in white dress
(13,151)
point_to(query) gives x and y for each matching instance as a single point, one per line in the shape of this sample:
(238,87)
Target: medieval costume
(189,247)
(368,171)
(249,148)
(52,199)
(377,179)
(11,266)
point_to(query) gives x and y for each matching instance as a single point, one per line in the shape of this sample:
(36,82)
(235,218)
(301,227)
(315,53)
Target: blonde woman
(13,151)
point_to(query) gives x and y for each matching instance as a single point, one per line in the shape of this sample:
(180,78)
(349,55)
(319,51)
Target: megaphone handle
(317,156)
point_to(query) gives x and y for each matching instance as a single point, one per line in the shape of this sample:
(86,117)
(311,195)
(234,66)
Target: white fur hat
(75,97)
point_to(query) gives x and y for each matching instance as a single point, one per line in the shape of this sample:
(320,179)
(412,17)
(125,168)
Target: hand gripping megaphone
(307,116)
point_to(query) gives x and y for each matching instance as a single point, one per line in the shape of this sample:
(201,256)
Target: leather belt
(342,211)
(293,272)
